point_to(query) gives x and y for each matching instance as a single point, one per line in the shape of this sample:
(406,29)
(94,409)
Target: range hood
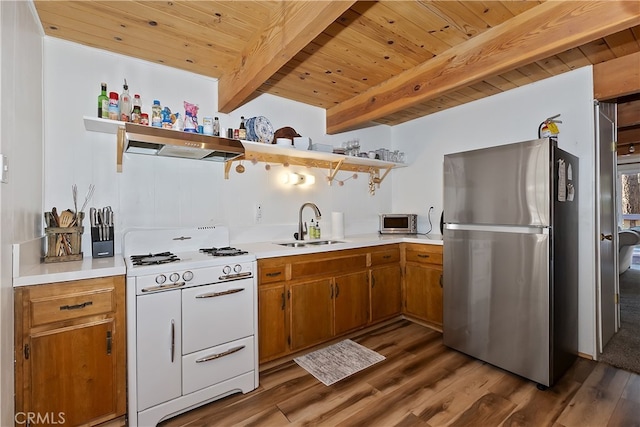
(142,139)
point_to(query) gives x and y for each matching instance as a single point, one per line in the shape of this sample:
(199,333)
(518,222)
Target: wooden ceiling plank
(574,58)
(533,35)
(628,136)
(500,83)
(622,43)
(553,65)
(628,114)
(616,78)
(175,57)
(272,46)
(597,51)
(491,12)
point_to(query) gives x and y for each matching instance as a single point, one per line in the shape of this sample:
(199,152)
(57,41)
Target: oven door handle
(163,287)
(236,276)
(219,355)
(219,294)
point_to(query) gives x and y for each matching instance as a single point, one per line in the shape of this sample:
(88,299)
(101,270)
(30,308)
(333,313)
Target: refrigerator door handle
(532,229)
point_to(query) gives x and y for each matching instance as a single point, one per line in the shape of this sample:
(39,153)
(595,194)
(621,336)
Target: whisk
(88,197)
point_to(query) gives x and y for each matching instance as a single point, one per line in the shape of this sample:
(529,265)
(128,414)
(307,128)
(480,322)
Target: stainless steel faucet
(302,231)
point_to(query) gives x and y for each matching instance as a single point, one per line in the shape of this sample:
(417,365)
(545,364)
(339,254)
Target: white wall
(21,117)
(508,117)
(162,192)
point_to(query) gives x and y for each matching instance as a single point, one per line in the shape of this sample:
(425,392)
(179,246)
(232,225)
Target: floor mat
(336,362)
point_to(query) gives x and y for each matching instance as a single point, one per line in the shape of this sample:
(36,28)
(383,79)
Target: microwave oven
(398,223)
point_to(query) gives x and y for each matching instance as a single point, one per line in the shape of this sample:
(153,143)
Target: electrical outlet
(258,213)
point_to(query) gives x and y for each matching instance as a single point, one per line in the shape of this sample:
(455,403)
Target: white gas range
(191,320)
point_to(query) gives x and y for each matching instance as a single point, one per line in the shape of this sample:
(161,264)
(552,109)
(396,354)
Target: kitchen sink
(309,242)
(294,244)
(323,242)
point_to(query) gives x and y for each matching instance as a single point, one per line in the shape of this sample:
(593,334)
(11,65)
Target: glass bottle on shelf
(103,102)
(216,127)
(125,103)
(137,109)
(242,132)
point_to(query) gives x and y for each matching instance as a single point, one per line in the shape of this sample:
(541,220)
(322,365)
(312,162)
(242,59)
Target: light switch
(4,167)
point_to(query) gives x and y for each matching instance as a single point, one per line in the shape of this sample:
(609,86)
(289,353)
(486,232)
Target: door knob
(607,237)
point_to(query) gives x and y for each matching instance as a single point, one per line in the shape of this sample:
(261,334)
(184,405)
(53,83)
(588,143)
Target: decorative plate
(249,124)
(263,129)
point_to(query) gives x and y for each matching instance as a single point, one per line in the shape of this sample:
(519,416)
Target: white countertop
(273,249)
(89,268)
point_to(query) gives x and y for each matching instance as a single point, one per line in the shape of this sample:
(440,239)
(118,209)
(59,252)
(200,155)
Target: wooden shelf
(271,153)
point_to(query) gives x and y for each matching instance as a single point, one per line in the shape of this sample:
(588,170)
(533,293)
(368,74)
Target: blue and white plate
(263,130)
(249,124)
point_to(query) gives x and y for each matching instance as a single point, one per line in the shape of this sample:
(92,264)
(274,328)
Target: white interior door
(607,250)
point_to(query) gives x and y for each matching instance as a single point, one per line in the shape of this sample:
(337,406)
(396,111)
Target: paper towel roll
(337,225)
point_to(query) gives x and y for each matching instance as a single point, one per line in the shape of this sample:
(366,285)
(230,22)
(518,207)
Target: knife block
(101,248)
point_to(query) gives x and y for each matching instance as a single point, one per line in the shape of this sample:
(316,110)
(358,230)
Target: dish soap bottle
(318,231)
(312,230)
(103,102)
(216,127)
(125,103)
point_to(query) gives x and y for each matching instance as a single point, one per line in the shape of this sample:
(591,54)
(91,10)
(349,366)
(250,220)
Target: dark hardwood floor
(424,383)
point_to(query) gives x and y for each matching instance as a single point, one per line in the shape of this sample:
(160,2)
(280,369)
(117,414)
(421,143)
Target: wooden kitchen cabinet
(423,283)
(386,283)
(327,294)
(351,301)
(70,350)
(311,312)
(272,321)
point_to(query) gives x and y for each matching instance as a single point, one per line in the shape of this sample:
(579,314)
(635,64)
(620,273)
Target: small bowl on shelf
(284,142)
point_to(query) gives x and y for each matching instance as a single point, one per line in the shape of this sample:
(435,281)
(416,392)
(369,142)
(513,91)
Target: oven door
(217,314)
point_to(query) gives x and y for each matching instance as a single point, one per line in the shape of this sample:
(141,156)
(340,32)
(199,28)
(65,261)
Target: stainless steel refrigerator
(511,257)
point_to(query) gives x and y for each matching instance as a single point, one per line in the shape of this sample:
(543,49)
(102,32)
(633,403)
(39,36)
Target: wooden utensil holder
(64,243)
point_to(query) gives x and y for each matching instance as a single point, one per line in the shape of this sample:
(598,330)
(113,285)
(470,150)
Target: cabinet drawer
(270,274)
(428,255)
(385,257)
(65,307)
(328,266)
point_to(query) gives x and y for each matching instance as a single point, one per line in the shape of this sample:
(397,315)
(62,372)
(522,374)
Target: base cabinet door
(423,292)
(351,297)
(386,295)
(272,332)
(311,312)
(69,365)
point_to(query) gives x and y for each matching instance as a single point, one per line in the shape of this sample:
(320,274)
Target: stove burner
(154,259)
(227,251)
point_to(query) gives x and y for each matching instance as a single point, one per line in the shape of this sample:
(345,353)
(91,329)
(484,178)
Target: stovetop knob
(237,268)
(160,279)
(187,275)
(226,269)
(174,277)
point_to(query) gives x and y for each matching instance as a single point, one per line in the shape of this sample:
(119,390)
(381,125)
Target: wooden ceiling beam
(294,26)
(545,30)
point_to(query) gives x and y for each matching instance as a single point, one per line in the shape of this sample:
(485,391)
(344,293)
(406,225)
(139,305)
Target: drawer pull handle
(235,276)
(219,355)
(423,256)
(77,306)
(386,256)
(219,294)
(274,274)
(163,287)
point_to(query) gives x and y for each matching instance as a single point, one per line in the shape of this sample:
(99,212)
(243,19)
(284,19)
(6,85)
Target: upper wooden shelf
(268,153)
(271,153)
